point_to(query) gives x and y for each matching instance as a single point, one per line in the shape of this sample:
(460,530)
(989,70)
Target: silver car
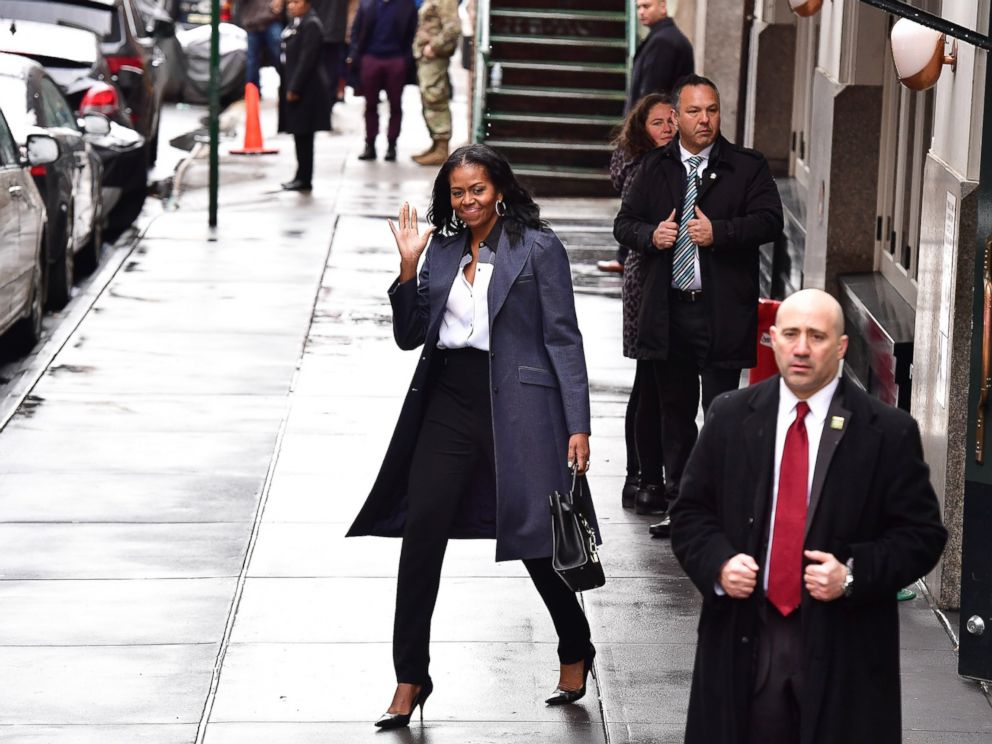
(22,222)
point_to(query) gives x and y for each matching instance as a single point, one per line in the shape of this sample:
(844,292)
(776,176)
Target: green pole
(214,107)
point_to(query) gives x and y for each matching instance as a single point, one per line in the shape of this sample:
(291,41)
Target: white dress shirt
(466,314)
(819,405)
(697,282)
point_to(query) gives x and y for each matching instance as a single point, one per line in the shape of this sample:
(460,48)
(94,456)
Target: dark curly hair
(521,210)
(633,139)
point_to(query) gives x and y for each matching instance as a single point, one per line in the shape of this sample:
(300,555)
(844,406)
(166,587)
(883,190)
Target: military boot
(435,156)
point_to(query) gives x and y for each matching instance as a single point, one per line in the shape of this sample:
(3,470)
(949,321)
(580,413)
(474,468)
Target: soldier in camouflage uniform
(438,31)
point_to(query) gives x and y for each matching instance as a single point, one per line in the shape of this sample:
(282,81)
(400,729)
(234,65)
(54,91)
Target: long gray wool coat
(538,387)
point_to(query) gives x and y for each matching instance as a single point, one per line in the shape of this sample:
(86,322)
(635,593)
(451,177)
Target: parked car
(72,57)
(233,47)
(22,224)
(70,185)
(129,45)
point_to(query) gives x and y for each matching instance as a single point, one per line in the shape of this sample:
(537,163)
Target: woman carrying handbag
(497,412)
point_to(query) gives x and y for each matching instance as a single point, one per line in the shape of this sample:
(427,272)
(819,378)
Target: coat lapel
(760,448)
(444,267)
(834,428)
(712,174)
(675,178)
(510,260)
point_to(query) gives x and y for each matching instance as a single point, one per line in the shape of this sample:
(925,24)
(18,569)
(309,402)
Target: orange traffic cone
(253,130)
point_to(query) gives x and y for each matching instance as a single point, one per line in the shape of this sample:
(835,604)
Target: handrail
(481,78)
(632,38)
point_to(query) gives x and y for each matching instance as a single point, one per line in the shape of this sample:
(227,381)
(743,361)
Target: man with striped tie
(697,212)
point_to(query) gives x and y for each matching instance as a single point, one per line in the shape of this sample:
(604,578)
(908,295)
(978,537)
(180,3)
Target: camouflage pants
(432,76)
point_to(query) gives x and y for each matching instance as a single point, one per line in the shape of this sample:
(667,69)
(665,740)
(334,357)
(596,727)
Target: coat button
(492,354)
(423,358)
(495,390)
(750,520)
(745,639)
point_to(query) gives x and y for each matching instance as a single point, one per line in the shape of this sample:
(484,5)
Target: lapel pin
(837,422)
(712,176)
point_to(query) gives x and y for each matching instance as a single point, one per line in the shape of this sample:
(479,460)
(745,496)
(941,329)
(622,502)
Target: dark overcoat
(538,387)
(662,59)
(871,500)
(303,73)
(739,196)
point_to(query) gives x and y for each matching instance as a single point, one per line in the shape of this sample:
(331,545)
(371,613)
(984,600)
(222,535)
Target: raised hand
(409,241)
(665,234)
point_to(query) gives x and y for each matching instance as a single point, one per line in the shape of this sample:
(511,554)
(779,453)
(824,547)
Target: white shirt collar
(819,402)
(704,153)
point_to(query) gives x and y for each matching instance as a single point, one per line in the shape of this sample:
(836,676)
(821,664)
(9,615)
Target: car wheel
(27,331)
(61,271)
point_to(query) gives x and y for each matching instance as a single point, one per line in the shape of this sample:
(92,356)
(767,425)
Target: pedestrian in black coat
(698,325)
(823,668)
(304,101)
(663,58)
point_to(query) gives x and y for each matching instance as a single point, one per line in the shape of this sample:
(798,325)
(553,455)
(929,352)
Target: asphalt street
(175,488)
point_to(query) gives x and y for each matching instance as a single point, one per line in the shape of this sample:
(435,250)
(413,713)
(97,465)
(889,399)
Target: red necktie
(785,568)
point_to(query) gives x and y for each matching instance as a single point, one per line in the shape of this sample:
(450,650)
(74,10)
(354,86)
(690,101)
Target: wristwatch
(848,585)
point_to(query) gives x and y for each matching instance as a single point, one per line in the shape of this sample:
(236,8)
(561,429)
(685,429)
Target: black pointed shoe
(390,152)
(296,185)
(368,153)
(650,499)
(566,697)
(662,528)
(629,491)
(399,720)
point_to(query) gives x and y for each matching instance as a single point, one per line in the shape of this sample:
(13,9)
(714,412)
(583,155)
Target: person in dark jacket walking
(262,20)
(382,49)
(333,16)
(805,506)
(697,212)
(497,413)
(304,100)
(663,58)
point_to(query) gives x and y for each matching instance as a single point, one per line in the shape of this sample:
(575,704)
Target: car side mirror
(42,149)
(95,124)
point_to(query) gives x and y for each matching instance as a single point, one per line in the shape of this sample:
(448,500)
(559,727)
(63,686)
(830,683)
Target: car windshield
(13,102)
(102,21)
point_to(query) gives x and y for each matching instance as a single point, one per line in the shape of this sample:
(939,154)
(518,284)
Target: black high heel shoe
(399,720)
(564,697)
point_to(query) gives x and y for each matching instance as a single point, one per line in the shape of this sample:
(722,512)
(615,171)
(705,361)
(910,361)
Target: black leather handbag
(574,555)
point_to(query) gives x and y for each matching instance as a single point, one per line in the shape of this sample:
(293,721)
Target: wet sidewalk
(174,495)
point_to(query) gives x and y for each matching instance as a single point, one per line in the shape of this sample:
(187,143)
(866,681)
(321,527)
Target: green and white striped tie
(684,260)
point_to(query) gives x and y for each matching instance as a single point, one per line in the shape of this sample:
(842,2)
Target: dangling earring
(501,208)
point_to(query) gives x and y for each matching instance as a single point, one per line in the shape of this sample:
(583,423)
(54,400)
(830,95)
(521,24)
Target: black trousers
(778,682)
(677,381)
(333,53)
(455,446)
(304,157)
(642,428)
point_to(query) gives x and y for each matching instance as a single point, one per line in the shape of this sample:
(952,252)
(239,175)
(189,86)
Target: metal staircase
(550,83)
